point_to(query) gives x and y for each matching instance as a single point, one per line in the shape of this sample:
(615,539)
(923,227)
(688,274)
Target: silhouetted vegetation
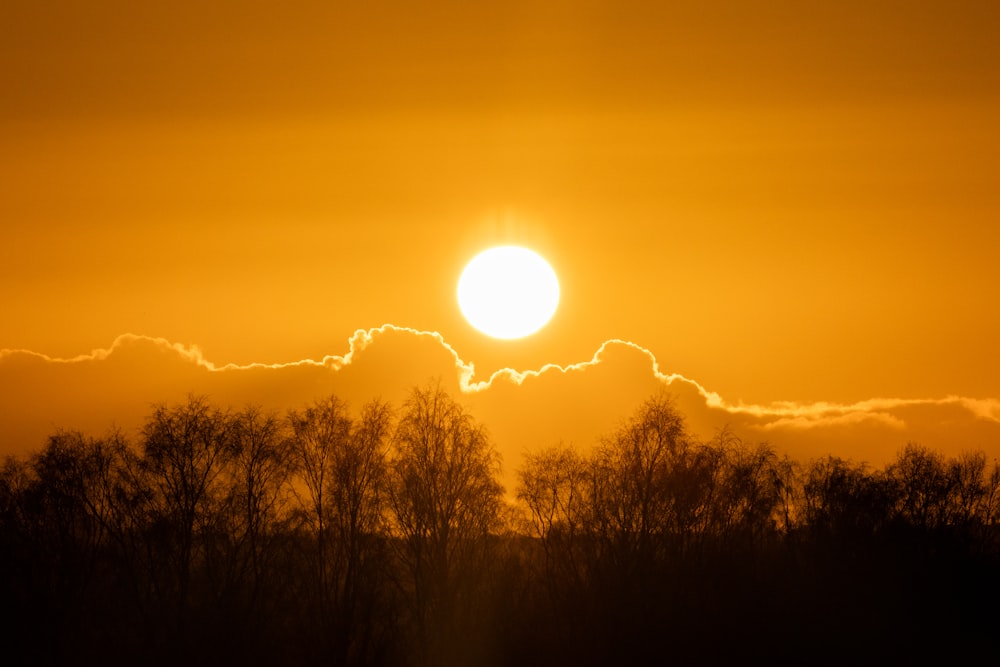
(384,537)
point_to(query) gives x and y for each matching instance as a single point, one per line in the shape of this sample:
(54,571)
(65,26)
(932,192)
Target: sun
(508,292)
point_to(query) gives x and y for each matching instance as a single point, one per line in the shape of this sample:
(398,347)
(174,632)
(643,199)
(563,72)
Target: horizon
(524,410)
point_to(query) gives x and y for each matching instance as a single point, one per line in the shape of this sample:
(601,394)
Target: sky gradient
(785,204)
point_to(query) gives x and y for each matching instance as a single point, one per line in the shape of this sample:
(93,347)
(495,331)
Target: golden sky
(787,203)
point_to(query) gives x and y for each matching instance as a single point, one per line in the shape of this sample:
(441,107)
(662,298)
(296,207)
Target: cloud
(523,409)
(807,421)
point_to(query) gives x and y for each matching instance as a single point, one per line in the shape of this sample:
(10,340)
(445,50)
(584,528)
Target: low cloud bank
(523,408)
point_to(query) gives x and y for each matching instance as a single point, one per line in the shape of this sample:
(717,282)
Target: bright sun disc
(508,292)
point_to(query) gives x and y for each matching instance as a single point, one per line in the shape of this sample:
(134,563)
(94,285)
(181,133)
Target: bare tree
(752,495)
(341,462)
(445,501)
(185,450)
(318,432)
(638,480)
(922,487)
(555,487)
(845,501)
(256,502)
(554,484)
(357,519)
(970,491)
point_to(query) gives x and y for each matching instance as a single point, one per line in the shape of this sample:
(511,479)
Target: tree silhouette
(844,501)
(638,487)
(317,434)
(555,486)
(185,450)
(754,493)
(445,502)
(922,487)
(258,470)
(342,464)
(357,520)
(357,538)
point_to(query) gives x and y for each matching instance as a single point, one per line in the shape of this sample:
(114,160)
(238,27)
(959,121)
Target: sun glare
(508,292)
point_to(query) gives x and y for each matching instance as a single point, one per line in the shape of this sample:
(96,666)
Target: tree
(317,433)
(638,485)
(357,520)
(342,464)
(244,549)
(752,495)
(186,448)
(445,501)
(845,502)
(259,468)
(971,489)
(60,512)
(922,487)
(555,486)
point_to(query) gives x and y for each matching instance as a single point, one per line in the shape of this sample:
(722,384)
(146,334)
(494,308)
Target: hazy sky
(782,201)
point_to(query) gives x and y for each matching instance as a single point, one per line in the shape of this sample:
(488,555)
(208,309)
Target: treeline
(384,537)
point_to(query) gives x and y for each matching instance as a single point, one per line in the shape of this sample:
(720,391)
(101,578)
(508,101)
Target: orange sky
(780,202)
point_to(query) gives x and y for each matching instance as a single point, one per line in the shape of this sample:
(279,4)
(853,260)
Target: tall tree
(318,433)
(341,462)
(357,521)
(256,507)
(555,487)
(446,501)
(640,483)
(186,448)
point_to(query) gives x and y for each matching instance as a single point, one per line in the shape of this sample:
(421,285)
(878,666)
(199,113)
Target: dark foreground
(321,538)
